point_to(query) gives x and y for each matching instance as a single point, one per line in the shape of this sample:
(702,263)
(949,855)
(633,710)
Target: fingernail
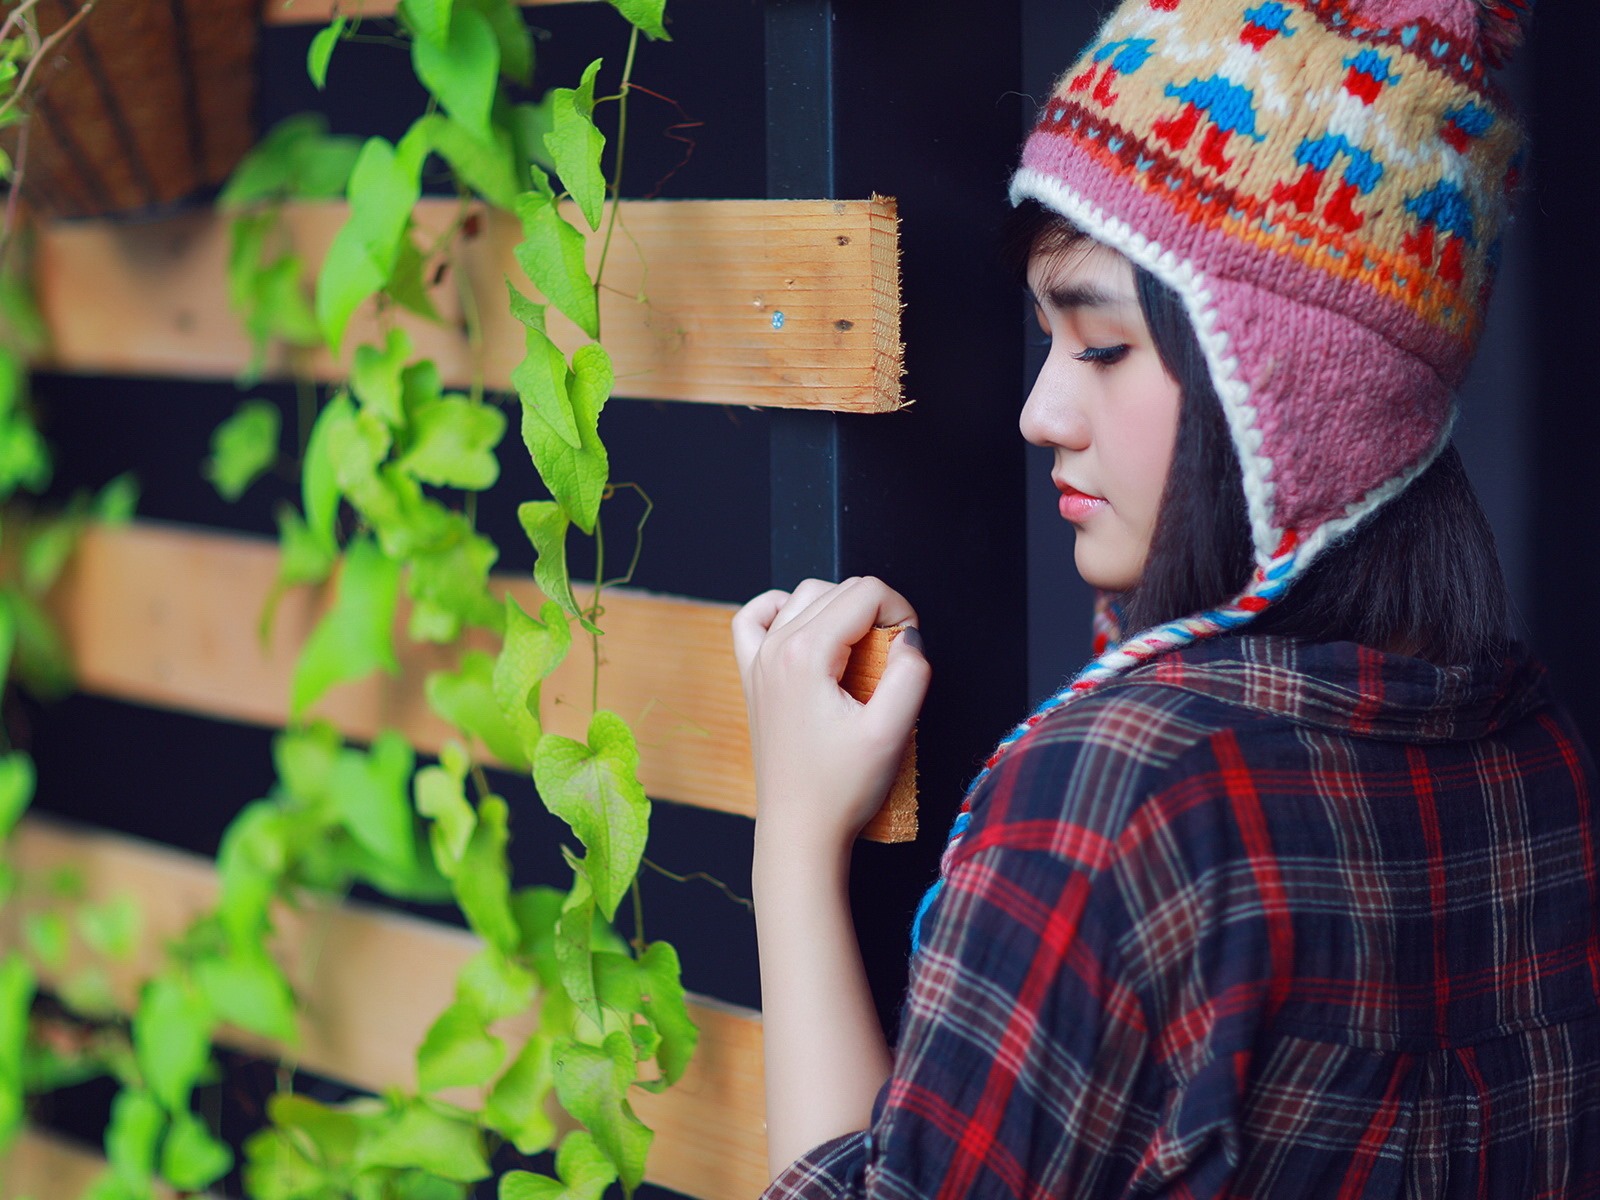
(912,637)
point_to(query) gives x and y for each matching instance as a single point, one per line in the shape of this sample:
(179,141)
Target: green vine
(59,929)
(389,468)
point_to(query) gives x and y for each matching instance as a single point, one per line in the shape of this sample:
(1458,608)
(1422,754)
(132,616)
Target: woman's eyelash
(1102,356)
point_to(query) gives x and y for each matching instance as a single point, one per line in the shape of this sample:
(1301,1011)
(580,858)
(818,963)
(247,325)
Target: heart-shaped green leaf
(546,523)
(576,144)
(372,796)
(465,697)
(592,1084)
(247,989)
(452,444)
(647,15)
(426,1138)
(531,651)
(515,1108)
(582,1167)
(574,942)
(132,1136)
(322,51)
(172,1038)
(441,797)
(541,377)
(576,476)
(462,72)
(356,637)
(552,254)
(191,1158)
(375,377)
(385,185)
(17,782)
(483,885)
(242,447)
(458,1051)
(595,789)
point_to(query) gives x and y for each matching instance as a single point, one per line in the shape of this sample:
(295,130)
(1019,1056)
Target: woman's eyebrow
(1069,296)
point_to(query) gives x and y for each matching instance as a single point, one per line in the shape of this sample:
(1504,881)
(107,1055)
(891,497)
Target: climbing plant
(35,544)
(390,465)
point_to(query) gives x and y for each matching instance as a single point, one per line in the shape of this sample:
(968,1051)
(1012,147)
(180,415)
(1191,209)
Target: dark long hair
(1419,577)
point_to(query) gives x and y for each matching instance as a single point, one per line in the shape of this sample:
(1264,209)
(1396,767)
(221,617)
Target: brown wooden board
(319,12)
(166,616)
(377,979)
(787,303)
(42,1165)
(896,821)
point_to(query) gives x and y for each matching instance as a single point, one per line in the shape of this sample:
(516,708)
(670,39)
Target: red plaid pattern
(1261,920)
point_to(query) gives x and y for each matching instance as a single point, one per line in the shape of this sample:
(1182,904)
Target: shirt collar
(1354,689)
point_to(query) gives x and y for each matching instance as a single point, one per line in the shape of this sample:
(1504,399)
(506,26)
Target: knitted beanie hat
(1323,183)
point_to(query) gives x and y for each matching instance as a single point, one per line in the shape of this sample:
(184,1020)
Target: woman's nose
(1051,416)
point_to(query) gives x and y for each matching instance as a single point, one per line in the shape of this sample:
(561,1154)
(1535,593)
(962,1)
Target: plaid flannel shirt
(1261,920)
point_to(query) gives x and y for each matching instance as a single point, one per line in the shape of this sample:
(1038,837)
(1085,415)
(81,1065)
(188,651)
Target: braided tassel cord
(1267,586)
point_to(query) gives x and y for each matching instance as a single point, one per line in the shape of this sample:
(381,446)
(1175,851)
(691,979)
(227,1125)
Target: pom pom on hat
(1504,24)
(1497,26)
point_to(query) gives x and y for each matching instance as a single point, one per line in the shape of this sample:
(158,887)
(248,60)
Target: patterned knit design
(1107,622)
(1327,196)
(1326,193)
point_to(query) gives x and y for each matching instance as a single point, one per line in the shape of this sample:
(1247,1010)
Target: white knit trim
(1190,284)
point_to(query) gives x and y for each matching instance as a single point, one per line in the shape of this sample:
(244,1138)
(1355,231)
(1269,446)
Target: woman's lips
(1078,506)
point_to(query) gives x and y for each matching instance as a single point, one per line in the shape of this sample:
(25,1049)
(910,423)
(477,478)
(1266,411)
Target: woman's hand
(825,761)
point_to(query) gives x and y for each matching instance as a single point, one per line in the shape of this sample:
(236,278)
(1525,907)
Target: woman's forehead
(1083,267)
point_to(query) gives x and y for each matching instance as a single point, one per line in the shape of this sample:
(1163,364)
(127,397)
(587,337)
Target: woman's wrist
(796,831)
(797,850)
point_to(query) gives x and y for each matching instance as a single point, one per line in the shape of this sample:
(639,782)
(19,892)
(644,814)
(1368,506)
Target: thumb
(904,683)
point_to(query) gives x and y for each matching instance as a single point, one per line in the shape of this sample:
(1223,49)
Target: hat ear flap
(1504,24)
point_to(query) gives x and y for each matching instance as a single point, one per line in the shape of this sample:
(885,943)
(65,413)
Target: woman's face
(1104,404)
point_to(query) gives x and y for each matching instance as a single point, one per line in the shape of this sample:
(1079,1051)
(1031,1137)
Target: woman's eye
(1102,356)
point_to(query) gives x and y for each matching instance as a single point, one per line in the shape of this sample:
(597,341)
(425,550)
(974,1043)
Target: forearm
(826,1056)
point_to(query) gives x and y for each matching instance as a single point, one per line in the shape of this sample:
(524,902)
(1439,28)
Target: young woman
(1293,893)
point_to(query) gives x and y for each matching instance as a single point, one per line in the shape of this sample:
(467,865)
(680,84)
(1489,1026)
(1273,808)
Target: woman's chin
(1101,567)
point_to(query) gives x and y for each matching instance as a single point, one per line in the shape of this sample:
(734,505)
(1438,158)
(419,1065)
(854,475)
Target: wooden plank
(320,12)
(667,664)
(375,980)
(42,1165)
(789,303)
(166,616)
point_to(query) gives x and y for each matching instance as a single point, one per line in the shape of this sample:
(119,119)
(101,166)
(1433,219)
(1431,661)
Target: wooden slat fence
(375,980)
(784,303)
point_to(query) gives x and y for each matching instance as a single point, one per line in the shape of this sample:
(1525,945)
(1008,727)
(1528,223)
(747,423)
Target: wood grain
(896,821)
(166,616)
(137,633)
(376,981)
(320,12)
(786,303)
(43,1165)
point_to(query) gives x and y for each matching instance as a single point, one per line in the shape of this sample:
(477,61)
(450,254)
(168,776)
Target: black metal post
(804,446)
